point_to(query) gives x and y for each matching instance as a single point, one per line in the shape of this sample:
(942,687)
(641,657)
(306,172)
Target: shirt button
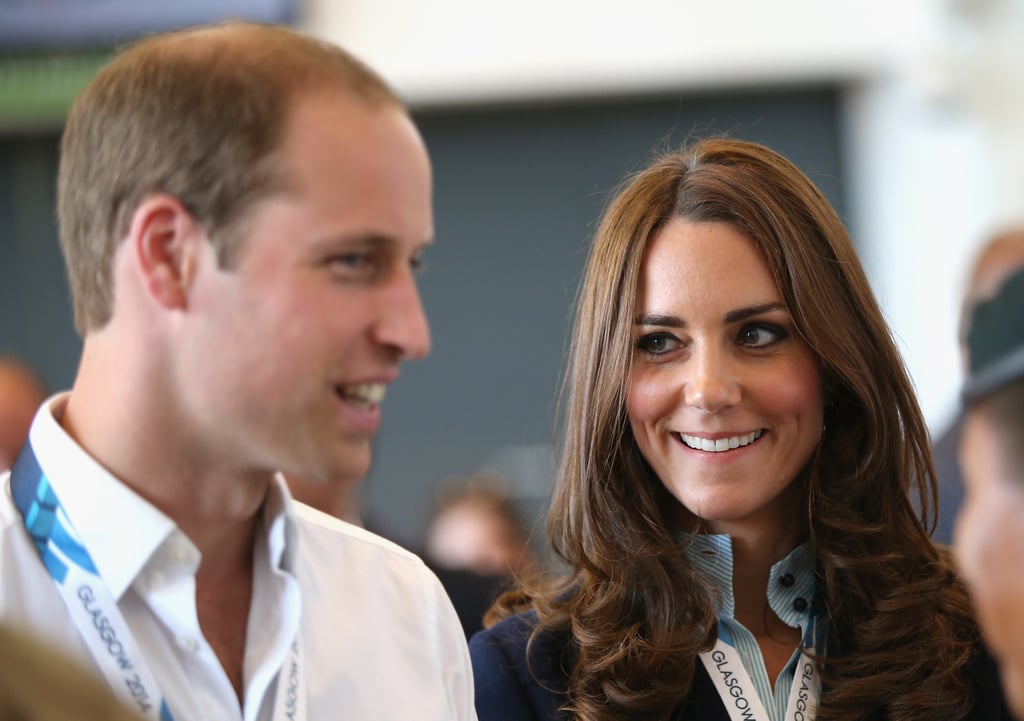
(188,643)
(786,580)
(800,604)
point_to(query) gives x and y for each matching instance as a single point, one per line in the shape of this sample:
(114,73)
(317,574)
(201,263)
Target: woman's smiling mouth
(720,444)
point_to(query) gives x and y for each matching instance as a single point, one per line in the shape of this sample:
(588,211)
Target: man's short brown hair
(196,114)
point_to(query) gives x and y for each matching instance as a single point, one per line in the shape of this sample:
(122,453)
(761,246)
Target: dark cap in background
(995,340)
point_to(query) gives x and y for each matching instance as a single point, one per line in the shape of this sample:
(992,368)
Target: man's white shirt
(378,636)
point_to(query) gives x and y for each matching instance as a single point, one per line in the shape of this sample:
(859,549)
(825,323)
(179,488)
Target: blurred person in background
(339,499)
(477,544)
(21,392)
(997,259)
(342,499)
(989,534)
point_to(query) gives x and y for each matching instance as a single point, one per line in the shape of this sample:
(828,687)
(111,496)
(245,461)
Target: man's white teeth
(365,394)
(721,444)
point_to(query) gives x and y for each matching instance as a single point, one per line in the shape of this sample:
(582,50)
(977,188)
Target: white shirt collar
(279,520)
(93,499)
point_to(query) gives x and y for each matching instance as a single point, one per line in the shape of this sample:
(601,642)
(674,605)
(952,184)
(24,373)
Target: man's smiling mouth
(366,395)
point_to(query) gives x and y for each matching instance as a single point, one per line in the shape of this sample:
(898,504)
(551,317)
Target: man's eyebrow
(669,320)
(359,239)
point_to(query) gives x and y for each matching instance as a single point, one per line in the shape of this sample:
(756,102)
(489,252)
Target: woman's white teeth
(720,444)
(365,394)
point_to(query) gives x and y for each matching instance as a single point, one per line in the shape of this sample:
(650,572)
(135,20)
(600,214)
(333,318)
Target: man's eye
(352,261)
(656,343)
(760,335)
(355,265)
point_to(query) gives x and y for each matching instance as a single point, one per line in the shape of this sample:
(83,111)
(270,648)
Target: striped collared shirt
(790,596)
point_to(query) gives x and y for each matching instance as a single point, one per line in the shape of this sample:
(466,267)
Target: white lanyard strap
(291,687)
(735,687)
(95,612)
(806,690)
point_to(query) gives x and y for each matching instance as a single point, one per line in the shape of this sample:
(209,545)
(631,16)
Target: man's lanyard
(740,697)
(95,612)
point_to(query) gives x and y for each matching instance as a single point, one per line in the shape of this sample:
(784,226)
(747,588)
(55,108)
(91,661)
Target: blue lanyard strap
(45,519)
(86,596)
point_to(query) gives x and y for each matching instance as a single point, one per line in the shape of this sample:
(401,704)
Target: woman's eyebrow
(664,319)
(749,312)
(669,320)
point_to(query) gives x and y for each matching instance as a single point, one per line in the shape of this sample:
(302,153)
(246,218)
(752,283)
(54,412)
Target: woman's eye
(656,343)
(760,336)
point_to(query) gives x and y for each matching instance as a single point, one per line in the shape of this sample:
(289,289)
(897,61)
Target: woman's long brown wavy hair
(901,635)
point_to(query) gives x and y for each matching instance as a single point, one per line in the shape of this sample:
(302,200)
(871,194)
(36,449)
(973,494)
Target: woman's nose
(712,382)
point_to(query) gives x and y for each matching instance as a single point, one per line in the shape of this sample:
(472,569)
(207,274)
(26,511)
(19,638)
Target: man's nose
(402,323)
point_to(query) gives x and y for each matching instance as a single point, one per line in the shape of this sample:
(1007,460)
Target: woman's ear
(166,242)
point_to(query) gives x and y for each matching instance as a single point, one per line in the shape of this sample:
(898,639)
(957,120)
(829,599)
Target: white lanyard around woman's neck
(740,697)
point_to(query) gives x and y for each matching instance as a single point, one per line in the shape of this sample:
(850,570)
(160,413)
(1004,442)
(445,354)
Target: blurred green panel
(37,90)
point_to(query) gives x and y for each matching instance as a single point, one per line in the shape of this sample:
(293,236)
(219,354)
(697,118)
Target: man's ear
(166,243)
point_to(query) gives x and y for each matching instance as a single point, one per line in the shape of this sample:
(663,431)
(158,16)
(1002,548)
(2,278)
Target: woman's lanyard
(734,685)
(95,612)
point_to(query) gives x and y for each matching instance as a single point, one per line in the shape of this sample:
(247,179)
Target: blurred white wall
(933,102)
(464,50)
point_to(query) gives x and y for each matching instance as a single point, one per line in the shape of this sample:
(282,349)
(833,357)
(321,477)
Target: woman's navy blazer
(517,682)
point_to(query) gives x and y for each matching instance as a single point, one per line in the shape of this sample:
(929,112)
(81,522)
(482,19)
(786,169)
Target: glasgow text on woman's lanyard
(94,610)
(734,685)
